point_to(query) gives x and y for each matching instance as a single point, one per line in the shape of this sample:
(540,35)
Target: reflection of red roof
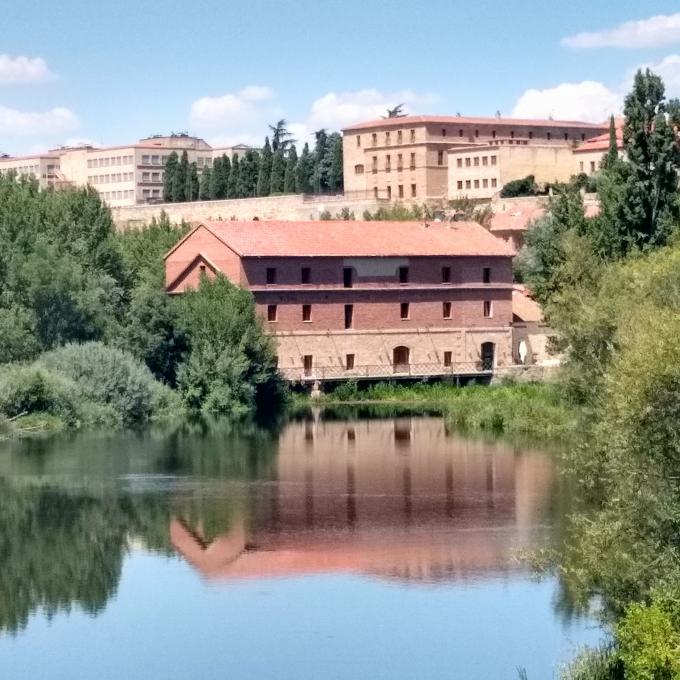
(401,121)
(517,218)
(523,306)
(356,239)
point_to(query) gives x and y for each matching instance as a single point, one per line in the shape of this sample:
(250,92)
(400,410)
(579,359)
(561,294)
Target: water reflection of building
(400,498)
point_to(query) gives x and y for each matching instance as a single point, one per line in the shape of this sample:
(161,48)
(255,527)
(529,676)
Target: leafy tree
(278,172)
(204,184)
(281,138)
(179,180)
(320,170)
(520,187)
(192,183)
(234,178)
(291,166)
(250,168)
(264,176)
(396,112)
(335,169)
(303,171)
(169,176)
(225,169)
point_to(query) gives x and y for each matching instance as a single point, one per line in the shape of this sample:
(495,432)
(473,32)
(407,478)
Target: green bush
(520,187)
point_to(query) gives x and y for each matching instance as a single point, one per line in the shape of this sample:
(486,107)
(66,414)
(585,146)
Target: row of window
(485,183)
(593,166)
(404,312)
(114,177)
(350,363)
(400,191)
(152,177)
(359,169)
(403,275)
(110,161)
(445,132)
(151,193)
(117,195)
(475,161)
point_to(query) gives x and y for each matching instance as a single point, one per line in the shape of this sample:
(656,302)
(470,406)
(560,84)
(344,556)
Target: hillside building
(358,299)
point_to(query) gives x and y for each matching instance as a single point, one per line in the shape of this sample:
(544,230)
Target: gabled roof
(355,239)
(524,307)
(403,121)
(600,143)
(517,217)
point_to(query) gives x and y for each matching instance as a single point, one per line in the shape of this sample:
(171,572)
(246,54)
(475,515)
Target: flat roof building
(364,299)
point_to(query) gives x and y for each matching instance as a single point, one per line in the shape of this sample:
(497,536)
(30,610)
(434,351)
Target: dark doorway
(488,356)
(347,277)
(400,359)
(307,362)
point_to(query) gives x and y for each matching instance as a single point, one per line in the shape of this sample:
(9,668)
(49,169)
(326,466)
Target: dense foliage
(87,333)
(273,170)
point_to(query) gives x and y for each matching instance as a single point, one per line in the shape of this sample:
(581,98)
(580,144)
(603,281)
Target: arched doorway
(488,358)
(400,359)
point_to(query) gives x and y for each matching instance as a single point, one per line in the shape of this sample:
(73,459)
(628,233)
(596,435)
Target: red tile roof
(357,239)
(403,121)
(517,217)
(600,143)
(524,306)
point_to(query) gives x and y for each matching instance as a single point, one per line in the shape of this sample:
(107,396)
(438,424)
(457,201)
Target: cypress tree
(204,184)
(215,177)
(264,175)
(291,167)
(334,162)
(612,155)
(321,162)
(303,172)
(278,173)
(169,175)
(179,182)
(192,183)
(234,180)
(245,175)
(225,174)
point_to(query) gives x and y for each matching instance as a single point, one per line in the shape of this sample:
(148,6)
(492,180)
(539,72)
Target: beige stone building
(407,157)
(123,175)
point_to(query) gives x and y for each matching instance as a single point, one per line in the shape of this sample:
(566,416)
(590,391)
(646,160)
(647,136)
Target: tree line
(274,170)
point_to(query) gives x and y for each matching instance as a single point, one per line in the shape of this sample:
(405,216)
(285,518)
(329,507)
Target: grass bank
(535,410)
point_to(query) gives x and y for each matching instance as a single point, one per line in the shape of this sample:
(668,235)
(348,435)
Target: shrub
(520,187)
(109,376)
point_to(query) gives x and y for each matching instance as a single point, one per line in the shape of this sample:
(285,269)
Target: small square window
(446,309)
(488,310)
(476,184)
(460,183)
(305,275)
(349,361)
(468,184)
(271,275)
(271,312)
(476,161)
(403,274)
(403,310)
(306,312)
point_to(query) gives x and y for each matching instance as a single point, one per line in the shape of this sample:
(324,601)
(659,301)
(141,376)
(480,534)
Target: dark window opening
(403,274)
(305,275)
(349,362)
(448,358)
(446,308)
(271,275)
(446,273)
(347,277)
(487,309)
(486,275)
(349,316)
(404,309)
(306,312)
(307,363)
(271,312)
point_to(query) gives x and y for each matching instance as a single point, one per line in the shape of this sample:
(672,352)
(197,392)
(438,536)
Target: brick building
(408,157)
(364,299)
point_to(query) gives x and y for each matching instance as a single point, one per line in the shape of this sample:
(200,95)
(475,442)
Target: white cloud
(230,109)
(652,32)
(23,123)
(586,101)
(669,70)
(337,110)
(23,69)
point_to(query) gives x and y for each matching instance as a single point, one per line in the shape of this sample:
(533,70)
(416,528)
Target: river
(360,547)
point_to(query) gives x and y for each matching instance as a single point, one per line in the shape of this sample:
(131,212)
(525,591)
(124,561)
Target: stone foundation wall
(289,207)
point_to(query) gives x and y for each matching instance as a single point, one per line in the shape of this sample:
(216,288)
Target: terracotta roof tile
(524,306)
(517,217)
(357,239)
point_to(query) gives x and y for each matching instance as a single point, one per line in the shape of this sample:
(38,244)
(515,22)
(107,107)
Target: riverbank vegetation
(88,335)
(611,289)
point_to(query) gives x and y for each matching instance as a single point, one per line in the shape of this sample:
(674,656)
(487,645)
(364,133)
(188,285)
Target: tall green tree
(192,182)
(204,184)
(248,174)
(234,179)
(277,177)
(321,162)
(169,176)
(179,181)
(303,171)
(281,137)
(334,162)
(291,166)
(225,169)
(264,175)
(612,155)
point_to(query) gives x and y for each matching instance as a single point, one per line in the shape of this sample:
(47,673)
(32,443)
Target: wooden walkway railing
(385,371)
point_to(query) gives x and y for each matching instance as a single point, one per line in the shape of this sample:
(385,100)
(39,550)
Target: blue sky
(111,72)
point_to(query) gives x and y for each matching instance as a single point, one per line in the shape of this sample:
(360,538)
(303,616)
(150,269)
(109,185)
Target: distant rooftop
(402,121)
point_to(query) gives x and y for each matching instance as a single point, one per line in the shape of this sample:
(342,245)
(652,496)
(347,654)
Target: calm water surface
(360,548)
